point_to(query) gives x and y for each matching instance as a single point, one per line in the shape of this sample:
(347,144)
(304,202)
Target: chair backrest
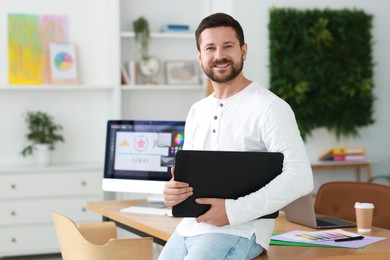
(98,241)
(337,199)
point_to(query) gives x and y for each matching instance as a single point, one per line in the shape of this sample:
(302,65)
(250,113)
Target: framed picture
(63,63)
(182,72)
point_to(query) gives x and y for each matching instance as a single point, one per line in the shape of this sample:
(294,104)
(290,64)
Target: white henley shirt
(254,119)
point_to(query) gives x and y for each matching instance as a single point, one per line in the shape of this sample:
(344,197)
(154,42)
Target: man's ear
(244,50)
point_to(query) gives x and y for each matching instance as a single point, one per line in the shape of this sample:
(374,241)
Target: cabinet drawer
(38,211)
(41,238)
(50,184)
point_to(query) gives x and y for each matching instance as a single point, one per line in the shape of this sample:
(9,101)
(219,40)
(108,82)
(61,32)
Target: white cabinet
(27,197)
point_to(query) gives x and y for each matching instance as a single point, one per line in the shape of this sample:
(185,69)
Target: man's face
(220,55)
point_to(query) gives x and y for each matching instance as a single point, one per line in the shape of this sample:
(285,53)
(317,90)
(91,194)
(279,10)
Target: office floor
(35,257)
(156,253)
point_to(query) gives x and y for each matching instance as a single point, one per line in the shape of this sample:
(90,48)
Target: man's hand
(216,215)
(176,191)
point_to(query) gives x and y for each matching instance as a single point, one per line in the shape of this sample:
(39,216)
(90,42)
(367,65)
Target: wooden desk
(357,166)
(161,228)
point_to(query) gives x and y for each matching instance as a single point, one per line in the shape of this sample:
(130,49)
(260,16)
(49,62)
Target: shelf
(161,87)
(163,35)
(55,167)
(55,87)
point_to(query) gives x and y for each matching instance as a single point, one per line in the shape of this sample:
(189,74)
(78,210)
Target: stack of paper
(324,238)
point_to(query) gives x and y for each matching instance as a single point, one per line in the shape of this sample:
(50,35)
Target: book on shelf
(349,157)
(175,28)
(345,154)
(133,71)
(124,76)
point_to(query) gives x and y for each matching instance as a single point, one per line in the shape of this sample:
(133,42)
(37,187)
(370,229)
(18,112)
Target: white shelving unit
(162,35)
(56,88)
(173,101)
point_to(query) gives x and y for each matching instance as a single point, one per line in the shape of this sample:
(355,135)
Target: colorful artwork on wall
(29,37)
(24,49)
(52,29)
(63,63)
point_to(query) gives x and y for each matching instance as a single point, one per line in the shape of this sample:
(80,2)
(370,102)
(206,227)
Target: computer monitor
(139,155)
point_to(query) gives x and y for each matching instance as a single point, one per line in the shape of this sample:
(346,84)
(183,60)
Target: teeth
(222,65)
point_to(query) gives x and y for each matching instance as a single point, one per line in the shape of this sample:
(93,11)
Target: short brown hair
(219,20)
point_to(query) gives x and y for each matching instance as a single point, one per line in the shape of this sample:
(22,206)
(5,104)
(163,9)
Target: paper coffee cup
(364,213)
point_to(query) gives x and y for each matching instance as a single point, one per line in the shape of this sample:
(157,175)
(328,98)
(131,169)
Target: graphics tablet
(223,174)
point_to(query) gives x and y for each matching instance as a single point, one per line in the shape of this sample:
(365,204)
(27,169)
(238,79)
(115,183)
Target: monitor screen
(139,154)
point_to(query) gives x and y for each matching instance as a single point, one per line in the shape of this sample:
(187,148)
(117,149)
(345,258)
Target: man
(240,115)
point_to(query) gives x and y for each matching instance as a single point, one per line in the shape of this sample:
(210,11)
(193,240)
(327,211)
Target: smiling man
(240,115)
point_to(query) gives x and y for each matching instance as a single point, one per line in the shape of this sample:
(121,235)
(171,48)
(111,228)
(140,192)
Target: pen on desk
(349,239)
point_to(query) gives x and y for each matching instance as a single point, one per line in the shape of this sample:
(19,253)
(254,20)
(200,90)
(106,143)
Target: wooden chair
(337,199)
(98,241)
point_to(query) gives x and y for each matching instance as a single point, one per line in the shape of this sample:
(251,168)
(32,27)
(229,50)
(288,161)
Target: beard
(235,70)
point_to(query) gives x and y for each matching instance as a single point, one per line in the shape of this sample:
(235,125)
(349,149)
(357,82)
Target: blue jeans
(209,247)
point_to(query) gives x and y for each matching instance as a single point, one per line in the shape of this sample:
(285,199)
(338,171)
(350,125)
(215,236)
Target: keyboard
(324,223)
(148,210)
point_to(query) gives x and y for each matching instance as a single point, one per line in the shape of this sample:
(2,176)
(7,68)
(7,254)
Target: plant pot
(42,155)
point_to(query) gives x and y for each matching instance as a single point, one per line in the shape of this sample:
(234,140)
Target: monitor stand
(154,205)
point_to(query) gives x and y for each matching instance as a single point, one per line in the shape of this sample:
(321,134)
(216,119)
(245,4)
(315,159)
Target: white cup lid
(364,205)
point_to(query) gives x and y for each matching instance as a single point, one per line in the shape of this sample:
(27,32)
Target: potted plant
(142,36)
(149,65)
(43,135)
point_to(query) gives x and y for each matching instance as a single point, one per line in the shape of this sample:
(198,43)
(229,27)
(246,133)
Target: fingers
(205,216)
(216,215)
(204,201)
(176,192)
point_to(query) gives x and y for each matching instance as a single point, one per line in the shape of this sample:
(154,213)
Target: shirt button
(214,131)
(215,117)
(221,105)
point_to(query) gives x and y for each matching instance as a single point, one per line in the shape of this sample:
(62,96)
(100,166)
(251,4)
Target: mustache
(222,61)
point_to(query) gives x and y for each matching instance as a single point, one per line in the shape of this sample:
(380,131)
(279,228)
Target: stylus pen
(349,239)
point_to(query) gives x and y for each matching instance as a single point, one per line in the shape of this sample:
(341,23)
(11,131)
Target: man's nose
(219,54)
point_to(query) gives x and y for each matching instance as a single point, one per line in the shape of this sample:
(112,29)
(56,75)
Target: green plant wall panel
(321,64)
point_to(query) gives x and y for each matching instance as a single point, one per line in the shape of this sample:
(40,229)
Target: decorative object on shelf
(150,67)
(182,72)
(43,135)
(63,63)
(175,28)
(322,65)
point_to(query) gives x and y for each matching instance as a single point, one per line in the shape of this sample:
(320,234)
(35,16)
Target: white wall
(254,17)
(82,113)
